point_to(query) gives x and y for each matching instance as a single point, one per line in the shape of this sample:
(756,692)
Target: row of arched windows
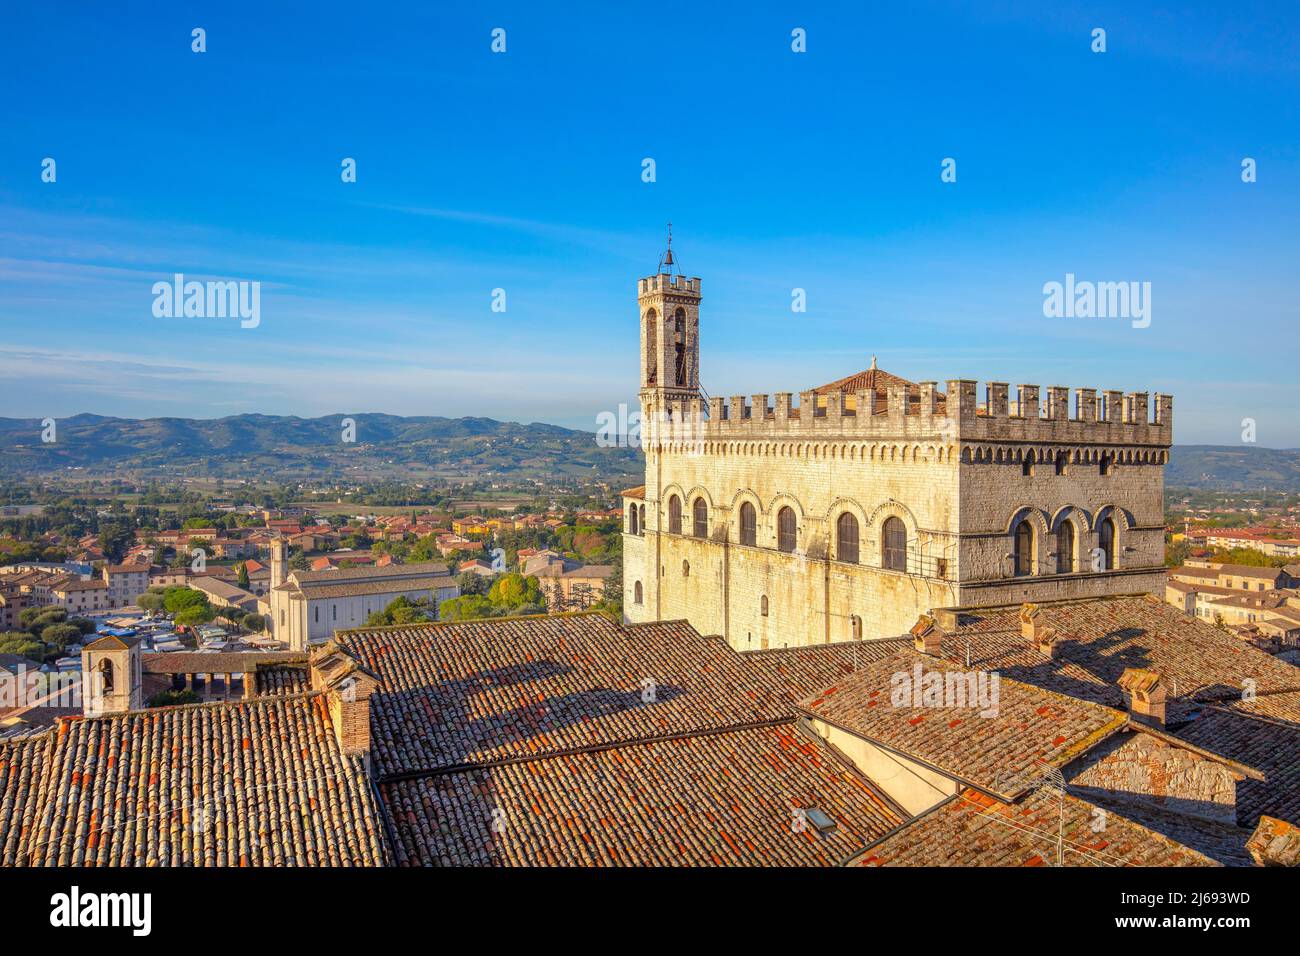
(893,538)
(1026,562)
(893,552)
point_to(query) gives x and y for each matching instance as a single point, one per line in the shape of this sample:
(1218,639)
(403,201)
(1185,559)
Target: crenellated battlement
(1034,414)
(668,283)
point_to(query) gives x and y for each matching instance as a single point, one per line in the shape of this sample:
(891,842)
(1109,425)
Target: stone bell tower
(111,678)
(670,334)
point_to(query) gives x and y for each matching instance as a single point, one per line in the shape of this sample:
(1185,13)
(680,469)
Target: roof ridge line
(403,776)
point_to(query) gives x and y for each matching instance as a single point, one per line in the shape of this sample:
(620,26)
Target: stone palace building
(872,499)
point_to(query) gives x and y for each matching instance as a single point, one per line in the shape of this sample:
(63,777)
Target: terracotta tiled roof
(721,799)
(375,586)
(281,679)
(77,584)
(21,765)
(392,571)
(798,672)
(1260,734)
(999,749)
(638,492)
(871,379)
(498,689)
(601,744)
(222,662)
(973,829)
(257,783)
(1102,637)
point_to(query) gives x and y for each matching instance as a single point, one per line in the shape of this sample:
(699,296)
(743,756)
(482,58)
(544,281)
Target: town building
(307,607)
(566,584)
(1261,605)
(126,582)
(872,498)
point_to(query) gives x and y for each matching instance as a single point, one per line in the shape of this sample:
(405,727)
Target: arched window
(679,327)
(785,529)
(636,593)
(1065,548)
(701,518)
(1027,466)
(1024,549)
(893,545)
(106,676)
(651,347)
(1062,459)
(674,515)
(641,515)
(846,538)
(686,569)
(1104,463)
(762,605)
(633,526)
(855,628)
(1106,543)
(748,525)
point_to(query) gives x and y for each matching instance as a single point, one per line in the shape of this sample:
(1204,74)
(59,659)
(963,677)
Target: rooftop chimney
(347,686)
(1274,843)
(1030,621)
(1146,695)
(926,637)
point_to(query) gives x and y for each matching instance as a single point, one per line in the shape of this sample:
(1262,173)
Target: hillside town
(281,579)
(785,647)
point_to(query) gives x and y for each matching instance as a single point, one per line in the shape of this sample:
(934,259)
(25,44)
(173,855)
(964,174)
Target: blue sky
(522,171)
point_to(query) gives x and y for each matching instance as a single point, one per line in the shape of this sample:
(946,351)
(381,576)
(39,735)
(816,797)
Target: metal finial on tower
(666,261)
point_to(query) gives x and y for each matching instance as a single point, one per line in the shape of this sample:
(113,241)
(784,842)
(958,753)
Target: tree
(61,635)
(423,549)
(1249,557)
(34,619)
(172,698)
(23,644)
(83,624)
(466,608)
(194,615)
(115,539)
(47,617)
(1177,552)
(254,622)
(179,598)
(241,578)
(511,591)
(187,605)
(471,583)
(402,610)
(151,600)
(611,599)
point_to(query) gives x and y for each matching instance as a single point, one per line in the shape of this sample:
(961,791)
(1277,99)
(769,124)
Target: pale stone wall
(811,595)
(950,468)
(1148,770)
(914,787)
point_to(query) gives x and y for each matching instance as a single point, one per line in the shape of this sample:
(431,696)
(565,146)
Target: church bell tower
(670,334)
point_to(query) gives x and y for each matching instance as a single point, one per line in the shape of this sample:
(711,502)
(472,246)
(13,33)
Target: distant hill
(1233,467)
(427,447)
(287,447)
